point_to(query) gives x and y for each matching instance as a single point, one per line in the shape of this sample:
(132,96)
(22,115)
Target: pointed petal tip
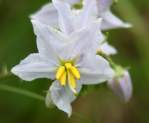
(108,49)
(124,25)
(69,114)
(127,25)
(62,97)
(36,22)
(14,70)
(33,21)
(126,100)
(48,100)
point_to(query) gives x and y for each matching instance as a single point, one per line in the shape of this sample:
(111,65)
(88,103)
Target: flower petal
(47,15)
(110,21)
(86,14)
(49,40)
(108,49)
(62,97)
(48,100)
(34,67)
(66,18)
(103,5)
(94,69)
(122,86)
(71,2)
(82,41)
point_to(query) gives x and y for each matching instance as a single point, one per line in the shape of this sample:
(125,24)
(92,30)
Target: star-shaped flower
(68,60)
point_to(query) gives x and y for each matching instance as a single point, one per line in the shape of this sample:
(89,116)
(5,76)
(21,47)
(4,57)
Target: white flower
(122,86)
(110,21)
(92,10)
(62,16)
(66,59)
(70,21)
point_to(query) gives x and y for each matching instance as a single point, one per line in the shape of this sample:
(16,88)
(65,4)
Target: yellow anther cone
(60,72)
(72,82)
(75,72)
(68,73)
(63,79)
(68,65)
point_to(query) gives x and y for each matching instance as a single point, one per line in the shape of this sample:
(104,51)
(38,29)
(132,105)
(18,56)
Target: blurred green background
(100,106)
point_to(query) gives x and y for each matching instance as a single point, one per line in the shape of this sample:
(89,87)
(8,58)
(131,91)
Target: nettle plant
(73,51)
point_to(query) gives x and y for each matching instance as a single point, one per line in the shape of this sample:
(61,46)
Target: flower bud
(121,85)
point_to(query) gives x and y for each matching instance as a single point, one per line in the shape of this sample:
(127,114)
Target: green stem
(108,58)
(35,96)
(21,91)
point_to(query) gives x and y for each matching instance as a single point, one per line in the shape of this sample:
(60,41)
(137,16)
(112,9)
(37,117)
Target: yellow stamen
(68,66)
(63,79)
(72,82)
(68,73)
(60,72)
(75,72)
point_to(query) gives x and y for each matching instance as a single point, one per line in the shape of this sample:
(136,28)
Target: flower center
(68,73)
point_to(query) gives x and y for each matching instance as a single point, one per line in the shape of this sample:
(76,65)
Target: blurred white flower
(91,10)
(66,59)
(48,13)
(121,85)
(110,21)
(60,14)
(70,20)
